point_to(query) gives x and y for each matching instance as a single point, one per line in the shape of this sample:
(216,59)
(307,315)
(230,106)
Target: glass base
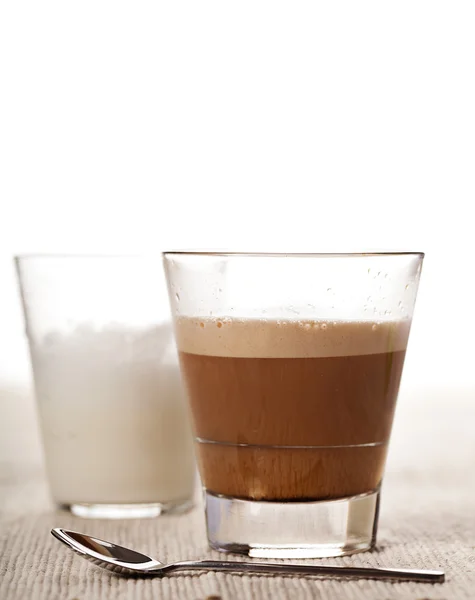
(126,511)
(292,529)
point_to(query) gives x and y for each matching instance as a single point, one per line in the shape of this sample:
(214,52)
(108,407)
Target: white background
(141,126)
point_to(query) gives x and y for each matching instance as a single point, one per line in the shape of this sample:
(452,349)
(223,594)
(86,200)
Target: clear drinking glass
(292,365)
(111,404)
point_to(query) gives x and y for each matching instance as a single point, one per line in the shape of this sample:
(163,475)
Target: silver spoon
(126,561)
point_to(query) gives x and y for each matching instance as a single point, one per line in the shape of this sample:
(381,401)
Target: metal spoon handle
(316,570)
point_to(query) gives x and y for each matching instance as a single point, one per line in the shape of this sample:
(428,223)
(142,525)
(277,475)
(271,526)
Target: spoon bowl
(108,555)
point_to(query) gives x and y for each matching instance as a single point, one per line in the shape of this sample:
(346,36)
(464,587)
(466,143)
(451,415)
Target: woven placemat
(427,521)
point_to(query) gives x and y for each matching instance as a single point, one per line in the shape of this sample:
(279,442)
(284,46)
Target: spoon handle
(316,570)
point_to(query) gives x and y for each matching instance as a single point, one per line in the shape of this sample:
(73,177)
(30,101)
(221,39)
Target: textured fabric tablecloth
(427,521)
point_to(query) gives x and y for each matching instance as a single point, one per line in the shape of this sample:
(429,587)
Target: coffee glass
(292,364)
(111,403)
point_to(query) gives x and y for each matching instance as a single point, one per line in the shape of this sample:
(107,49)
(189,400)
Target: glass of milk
(110,399)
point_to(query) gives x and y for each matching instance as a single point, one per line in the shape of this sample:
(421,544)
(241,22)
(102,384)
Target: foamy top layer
(256,338)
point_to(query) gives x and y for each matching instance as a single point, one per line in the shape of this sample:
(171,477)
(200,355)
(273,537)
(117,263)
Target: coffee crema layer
(291,410)
(267,338)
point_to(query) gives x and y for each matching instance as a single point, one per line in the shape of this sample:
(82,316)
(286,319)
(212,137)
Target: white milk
(113,417)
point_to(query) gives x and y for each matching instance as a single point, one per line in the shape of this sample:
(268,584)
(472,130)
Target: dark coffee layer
(291,474)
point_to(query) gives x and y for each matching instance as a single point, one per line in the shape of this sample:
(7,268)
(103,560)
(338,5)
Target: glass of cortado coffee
(292,365)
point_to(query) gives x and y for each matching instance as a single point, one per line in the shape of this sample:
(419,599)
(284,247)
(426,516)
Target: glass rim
(216,253)
(33,255)
(289,254)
